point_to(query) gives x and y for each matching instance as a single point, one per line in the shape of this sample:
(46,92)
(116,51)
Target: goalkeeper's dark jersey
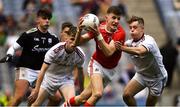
(34,46)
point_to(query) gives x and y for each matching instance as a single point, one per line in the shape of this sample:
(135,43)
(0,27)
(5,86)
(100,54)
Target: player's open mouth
(114,26)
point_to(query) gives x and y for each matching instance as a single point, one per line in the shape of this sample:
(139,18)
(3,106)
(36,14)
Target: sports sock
(72,102)
(86,104)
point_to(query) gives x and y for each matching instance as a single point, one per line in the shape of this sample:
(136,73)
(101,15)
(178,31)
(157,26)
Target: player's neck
(42,30)
(142,36)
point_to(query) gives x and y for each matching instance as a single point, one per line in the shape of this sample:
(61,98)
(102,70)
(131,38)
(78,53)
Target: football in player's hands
(90,21)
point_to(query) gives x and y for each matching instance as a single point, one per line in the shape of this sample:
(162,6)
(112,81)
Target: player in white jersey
(56,71)
(147,59)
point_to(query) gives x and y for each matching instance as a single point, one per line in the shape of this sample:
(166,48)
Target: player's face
(112,22)
(69,44)
(64,34)
(136,30)
(43,22)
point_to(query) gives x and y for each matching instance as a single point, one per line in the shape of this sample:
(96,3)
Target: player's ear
(142,26)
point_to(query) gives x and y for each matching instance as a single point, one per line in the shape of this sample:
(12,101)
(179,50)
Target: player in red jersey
(104,63)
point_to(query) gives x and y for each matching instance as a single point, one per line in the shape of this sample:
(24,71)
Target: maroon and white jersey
(61,62)
(149,64)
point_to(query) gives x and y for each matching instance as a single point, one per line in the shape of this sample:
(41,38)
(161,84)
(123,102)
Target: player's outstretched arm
(140,50)
(10,53)
(7,58)
(34,93)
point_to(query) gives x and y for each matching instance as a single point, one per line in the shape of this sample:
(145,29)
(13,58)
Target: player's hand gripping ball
(90,20)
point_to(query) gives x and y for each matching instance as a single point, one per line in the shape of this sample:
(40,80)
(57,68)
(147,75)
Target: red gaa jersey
(111,61)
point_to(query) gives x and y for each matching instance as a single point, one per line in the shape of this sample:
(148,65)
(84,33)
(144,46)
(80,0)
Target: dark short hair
(72,31)
(66,24)
(44,12)
(136,18)
(115,10)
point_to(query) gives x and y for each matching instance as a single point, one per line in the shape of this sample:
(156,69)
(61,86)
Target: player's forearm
(132,50)
(77,38)
(105,48)
(39,81)
(41,76)
(13,48)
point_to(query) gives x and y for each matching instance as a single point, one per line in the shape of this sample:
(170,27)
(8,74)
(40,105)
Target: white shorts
(107,74)
(155,85)
(51,84)
(27,74)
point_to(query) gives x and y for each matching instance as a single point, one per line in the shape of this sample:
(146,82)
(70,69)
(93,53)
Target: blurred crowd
(12,24)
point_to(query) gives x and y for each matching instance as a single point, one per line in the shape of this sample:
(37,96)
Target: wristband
(99,37)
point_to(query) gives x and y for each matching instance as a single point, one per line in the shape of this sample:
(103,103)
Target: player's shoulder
(32,30)
(148,37)
(80,51)
(58,47)
(60,44)
(129,42)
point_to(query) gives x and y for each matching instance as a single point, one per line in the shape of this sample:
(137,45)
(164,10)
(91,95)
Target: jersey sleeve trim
(47,63)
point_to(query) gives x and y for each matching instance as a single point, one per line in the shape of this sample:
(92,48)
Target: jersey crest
(31,30)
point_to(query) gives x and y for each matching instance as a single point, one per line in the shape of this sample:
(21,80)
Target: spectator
(178,48)
(169,53)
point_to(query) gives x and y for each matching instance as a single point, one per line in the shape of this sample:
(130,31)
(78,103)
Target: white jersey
(62,63)
(150,64)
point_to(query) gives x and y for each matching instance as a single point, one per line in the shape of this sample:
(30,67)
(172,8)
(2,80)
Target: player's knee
(127,95)
(55,100)
(97,95)
(34,104)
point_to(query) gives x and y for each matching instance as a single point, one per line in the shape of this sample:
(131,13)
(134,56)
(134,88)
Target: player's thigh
(96,82)
(42,96)
(156,86)
(133,87)
(152,100)
(68,91)
(56,96)
(21,87)
(28,74)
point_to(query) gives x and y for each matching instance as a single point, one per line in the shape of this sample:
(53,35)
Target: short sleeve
(49,57)
(51,54)
(82,57)
(149,43)
(22,40)
(81,63)
(128,43)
